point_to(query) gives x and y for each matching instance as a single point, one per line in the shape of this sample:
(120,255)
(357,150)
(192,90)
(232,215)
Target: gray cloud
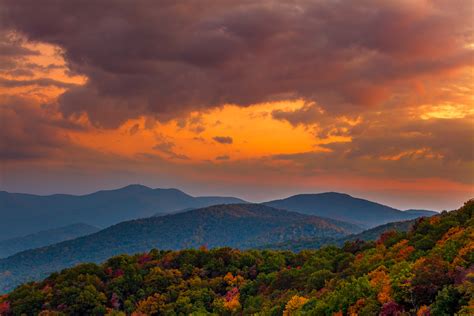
(308,114)
(444,139)
(11,46)
(167,147)
(167,58)
(13,54)
(223,139)
(42,82)
(29,131)
(391,144)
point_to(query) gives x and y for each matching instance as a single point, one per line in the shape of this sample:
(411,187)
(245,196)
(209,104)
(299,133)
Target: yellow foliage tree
(294,304)
(462,257)
(231,300)
(151,305)
(233,280)
(453,233)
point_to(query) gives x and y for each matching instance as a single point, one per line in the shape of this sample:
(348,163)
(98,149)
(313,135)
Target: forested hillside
(318,242)
(234,225)
(426,271)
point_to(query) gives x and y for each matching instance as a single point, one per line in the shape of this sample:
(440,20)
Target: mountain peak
(322,194)
(135,187)
(341,206)
(102,208)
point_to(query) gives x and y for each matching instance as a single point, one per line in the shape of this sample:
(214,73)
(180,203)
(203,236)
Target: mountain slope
(342,207)
(318,242)
(24,214)
(237,225)
(43,238)
(425,271)
(375,232)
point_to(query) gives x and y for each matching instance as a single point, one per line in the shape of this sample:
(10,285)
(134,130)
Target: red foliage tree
(430,275)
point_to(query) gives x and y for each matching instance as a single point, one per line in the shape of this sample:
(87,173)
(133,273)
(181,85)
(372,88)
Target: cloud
(13,53)
(29,131)
(166,59)
(42,82)
(308,114)
(223,139)
(223,157)
(448,140)
(134,129)
(29,69)
(166,147)
(11,45)
(197,129)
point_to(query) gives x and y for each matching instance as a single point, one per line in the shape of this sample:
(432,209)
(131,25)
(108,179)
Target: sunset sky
(256,99)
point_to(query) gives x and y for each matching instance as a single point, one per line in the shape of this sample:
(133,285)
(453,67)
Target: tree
(294,304)
(152,305)
(447,302)
(318,279)
(27,299)
(391,309)
(430,274)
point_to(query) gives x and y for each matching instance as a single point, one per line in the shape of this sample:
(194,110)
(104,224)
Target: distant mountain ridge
(24,214)
(43,238)
(318,242)
(345,208)
(421,212)
(233,225)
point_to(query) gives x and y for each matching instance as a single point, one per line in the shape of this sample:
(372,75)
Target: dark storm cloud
(166,58)
(223,139)
(29,132)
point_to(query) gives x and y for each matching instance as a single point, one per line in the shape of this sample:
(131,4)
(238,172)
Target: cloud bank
(167,58)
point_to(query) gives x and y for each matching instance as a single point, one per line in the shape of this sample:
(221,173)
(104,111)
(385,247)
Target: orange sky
(410,143)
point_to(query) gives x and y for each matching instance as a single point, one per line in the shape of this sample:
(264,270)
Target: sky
(256,99)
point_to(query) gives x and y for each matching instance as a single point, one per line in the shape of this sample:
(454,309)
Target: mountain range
(346,208)
(137,218)
(24,214)
(237,225)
